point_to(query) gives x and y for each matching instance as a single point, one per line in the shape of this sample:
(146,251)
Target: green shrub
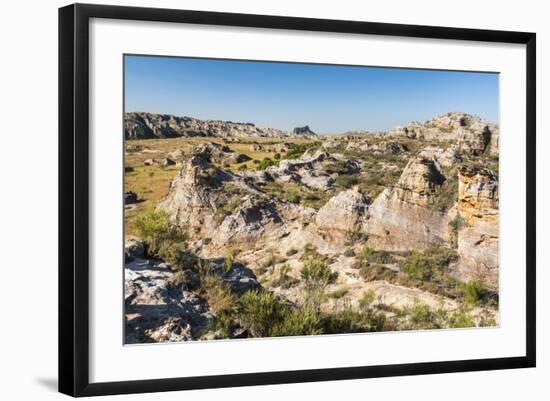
(317,274)
(297,193)
(420,316)
(339,293)
(267,162)
(355,235)
(349,320)
(460,319)
(291,252)
(417,266)
(474,292)
(347,181)
(377,272)
(277,156)
(424,266)
(298,149)
(218,295)
(369,255)
(445,196)
(163,238)
(226,209)
(366,301)
(298,322)
(283,279)
(260,311)
(457,223)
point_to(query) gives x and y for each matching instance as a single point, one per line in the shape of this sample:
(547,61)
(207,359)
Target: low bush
(347,181)
(260,311)
(317,274)
(283,279)
(291,252)
(162,237)
(369,255)
(445,196)
(339,293)
(377,272)
(457,223)
(298,149)
(267,162)
(424,266)
(218,295)
(475,292)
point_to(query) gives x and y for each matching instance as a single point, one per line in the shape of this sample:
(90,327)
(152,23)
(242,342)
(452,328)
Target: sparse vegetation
(296,193)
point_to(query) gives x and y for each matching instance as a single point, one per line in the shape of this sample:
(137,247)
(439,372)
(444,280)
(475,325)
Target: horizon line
(299,126)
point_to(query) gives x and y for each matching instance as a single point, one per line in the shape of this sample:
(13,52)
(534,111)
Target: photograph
(271,199)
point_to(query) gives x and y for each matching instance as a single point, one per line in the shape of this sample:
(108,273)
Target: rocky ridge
(139,125)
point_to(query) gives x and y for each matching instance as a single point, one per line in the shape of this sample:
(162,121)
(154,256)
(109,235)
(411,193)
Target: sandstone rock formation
(401,217)
(344,213)
(472,134)
(478,205)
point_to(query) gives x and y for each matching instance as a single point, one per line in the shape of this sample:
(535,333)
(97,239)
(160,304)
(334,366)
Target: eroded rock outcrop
(472,134)
(345,213)
(478,205)
(158,311)
(401,217)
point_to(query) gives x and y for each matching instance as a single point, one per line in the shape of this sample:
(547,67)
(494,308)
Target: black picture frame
(74,200)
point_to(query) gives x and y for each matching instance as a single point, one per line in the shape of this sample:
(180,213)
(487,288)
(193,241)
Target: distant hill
(138,125)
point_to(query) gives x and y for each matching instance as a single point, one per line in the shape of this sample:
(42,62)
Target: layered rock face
(472,134)
(344,213)
(478,204)
(192,198)
(401,217)
(150,126)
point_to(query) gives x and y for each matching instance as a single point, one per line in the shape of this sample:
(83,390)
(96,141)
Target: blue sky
(330,99)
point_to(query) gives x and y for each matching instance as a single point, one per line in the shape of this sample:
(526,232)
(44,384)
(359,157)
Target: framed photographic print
(277,199)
